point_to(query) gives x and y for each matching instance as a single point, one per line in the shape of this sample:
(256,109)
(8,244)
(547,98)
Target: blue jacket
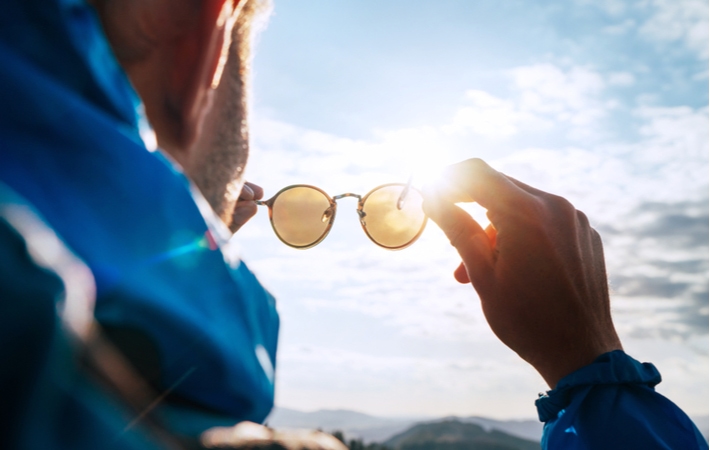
(611,404)
(69,144)
(49,400)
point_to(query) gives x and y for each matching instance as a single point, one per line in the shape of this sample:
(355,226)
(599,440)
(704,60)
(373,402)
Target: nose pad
(328,213)
(362,215)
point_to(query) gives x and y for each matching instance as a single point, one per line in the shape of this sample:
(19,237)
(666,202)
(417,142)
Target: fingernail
(247,193)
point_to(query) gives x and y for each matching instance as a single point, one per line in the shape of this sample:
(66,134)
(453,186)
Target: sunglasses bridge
(329,212)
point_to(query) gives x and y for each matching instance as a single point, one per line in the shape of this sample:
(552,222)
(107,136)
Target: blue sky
(603,102)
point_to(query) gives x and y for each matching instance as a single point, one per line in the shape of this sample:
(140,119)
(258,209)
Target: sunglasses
(391,215)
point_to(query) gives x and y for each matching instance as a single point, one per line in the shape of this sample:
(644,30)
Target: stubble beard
(220,154)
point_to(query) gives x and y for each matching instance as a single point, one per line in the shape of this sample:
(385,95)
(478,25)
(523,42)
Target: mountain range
(371,429)
(453,434)
(356,425)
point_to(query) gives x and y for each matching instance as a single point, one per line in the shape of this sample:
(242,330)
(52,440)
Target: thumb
(464,233)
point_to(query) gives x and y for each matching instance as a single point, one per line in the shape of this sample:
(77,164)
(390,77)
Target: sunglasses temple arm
(403,195)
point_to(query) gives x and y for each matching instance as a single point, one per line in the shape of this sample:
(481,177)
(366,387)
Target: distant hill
(328,419)
(526,429)
(456,435)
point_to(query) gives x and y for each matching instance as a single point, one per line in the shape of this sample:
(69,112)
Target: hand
(245,208)
(538,269)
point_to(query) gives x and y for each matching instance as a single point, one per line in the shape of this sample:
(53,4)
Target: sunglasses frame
(334,205)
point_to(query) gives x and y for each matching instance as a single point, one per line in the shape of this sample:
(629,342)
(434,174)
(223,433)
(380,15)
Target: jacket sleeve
(611,404)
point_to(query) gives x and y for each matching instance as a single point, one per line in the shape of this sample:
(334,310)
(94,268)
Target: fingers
(251,191)
(481,183)
(461,274)
(245,208)
(464,233)
(246,193)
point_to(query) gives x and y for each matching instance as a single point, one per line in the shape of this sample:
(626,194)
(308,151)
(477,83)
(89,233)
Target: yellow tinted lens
(301,216)
(388,225)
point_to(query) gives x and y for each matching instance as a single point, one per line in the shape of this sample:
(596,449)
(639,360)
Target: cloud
(599,120)
(542,97)
(487,115)
(683,21)
(489,381)
(413,291)
(683,225)
(622,79)
(660,257)
(646,197)
(648,286)
(620,28)
(649,200)
(566,95)
(668,163)
(678,131)
(661,22)
(611,7)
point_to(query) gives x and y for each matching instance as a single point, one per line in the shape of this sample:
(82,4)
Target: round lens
(301,216)
(393,220)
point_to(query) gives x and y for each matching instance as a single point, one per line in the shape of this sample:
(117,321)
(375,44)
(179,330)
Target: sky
(604,102)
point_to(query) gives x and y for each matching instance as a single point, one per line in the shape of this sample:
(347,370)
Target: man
(170,292)
(183,308)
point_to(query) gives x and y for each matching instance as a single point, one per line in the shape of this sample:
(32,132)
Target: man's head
(188,61)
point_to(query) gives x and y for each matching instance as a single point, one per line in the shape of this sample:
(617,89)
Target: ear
(170,50)
(194,56)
